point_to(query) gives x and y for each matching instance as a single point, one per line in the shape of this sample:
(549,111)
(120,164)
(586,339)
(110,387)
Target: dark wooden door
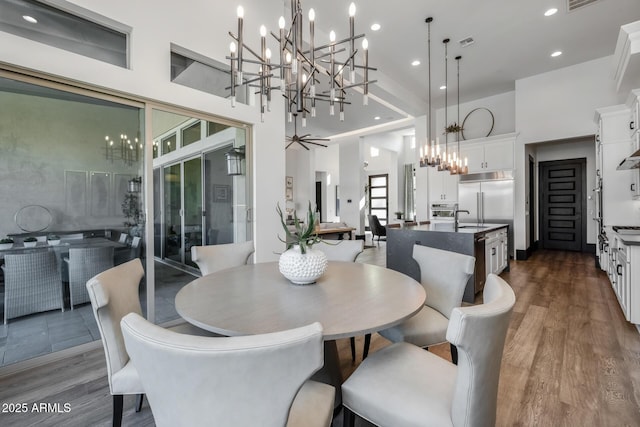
(563,205)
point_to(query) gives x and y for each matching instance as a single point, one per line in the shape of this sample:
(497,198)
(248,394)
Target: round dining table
(350,299)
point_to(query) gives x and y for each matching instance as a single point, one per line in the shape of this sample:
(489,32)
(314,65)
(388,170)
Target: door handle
(618,269)
(633,187)
(632,125)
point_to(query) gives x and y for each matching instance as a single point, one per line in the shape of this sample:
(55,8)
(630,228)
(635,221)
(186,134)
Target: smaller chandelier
(300,66)
(430,155)
(122,149)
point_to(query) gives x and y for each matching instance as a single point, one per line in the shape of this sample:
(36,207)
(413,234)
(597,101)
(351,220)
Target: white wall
(553,106)
(328,161)
(502,106)
(205,32)
(352,182)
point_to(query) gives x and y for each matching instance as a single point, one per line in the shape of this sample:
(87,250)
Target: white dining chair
(256,380)
(113,294)
(444,276)
(402,385)
(340,250)
(343,250)
(214,258)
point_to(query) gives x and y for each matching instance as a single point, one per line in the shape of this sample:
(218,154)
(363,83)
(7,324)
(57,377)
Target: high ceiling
(512,40)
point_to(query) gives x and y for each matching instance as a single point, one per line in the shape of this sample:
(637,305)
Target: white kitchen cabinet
(634,186)
(496,251)
(618,186)
(443,187)
(634,112)
(488,154)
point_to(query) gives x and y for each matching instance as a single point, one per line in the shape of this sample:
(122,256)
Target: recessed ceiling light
(415,63)
(443,87)
(556,53)
(30,19)
(376,118)
(375,27)
(551,11)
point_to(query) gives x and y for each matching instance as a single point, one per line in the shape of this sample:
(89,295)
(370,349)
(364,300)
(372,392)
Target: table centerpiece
(300,263)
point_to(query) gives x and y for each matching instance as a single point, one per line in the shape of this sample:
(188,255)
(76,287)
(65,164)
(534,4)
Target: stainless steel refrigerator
(489,199)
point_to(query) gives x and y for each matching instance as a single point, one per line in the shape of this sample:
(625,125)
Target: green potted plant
(53,239)
(6,243)
(30,242)
(300,263)
(454,128)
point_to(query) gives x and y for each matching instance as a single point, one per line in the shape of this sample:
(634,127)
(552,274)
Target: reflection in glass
(55,171)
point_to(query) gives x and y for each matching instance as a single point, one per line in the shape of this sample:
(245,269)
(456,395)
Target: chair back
(376,228)
(221,381)
(479,333)
(341,250)
(114,294)
(84,263)
(214,258)
(444,276)
(32,284)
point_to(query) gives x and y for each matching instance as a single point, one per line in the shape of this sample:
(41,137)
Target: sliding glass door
(183,209)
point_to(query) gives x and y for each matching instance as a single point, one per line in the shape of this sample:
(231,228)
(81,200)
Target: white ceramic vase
(302,269)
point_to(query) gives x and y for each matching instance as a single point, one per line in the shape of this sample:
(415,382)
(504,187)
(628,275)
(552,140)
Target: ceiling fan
(304,139)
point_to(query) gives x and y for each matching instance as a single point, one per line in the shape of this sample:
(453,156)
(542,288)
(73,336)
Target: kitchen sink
(474,226)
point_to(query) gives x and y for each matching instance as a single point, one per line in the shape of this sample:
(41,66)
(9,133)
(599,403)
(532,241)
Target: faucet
(456,211)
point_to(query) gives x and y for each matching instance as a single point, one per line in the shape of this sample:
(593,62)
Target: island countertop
(447,227)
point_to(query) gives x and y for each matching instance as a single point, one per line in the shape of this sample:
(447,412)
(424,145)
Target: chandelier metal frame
(300,66)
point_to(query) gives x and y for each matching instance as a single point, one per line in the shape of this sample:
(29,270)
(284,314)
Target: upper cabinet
(489,154)
(634,116)
(443,187)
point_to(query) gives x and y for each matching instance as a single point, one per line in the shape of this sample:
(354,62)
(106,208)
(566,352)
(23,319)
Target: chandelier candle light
(300,68)
(126,150)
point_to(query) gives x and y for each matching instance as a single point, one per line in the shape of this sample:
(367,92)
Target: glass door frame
(182,263)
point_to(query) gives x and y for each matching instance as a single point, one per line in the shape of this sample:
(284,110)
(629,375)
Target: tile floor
(38,334)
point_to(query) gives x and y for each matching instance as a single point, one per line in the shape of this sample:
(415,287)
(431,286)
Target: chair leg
(454,354)
(349,418)
(117,410)
(139,401)
(352,340)
(367,343)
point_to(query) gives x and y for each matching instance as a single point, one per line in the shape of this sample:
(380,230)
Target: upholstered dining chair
(343,250)
(256,380)
(403,385)
(376,228)
(32,284)
(83,264)
(214,258)
(114,294)
(444,276)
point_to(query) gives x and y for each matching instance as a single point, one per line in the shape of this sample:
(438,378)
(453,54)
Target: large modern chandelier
(430,155)
(308,73)
(122,148)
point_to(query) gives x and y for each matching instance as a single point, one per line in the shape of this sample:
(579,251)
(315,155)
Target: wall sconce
(234,160)
(135,185)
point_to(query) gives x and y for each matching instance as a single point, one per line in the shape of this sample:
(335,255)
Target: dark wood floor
(570,358)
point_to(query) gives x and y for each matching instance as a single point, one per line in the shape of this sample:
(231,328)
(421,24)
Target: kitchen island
(488,243)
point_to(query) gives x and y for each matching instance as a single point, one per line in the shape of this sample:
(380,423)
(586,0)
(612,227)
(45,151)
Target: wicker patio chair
(84,263)
(32,284)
